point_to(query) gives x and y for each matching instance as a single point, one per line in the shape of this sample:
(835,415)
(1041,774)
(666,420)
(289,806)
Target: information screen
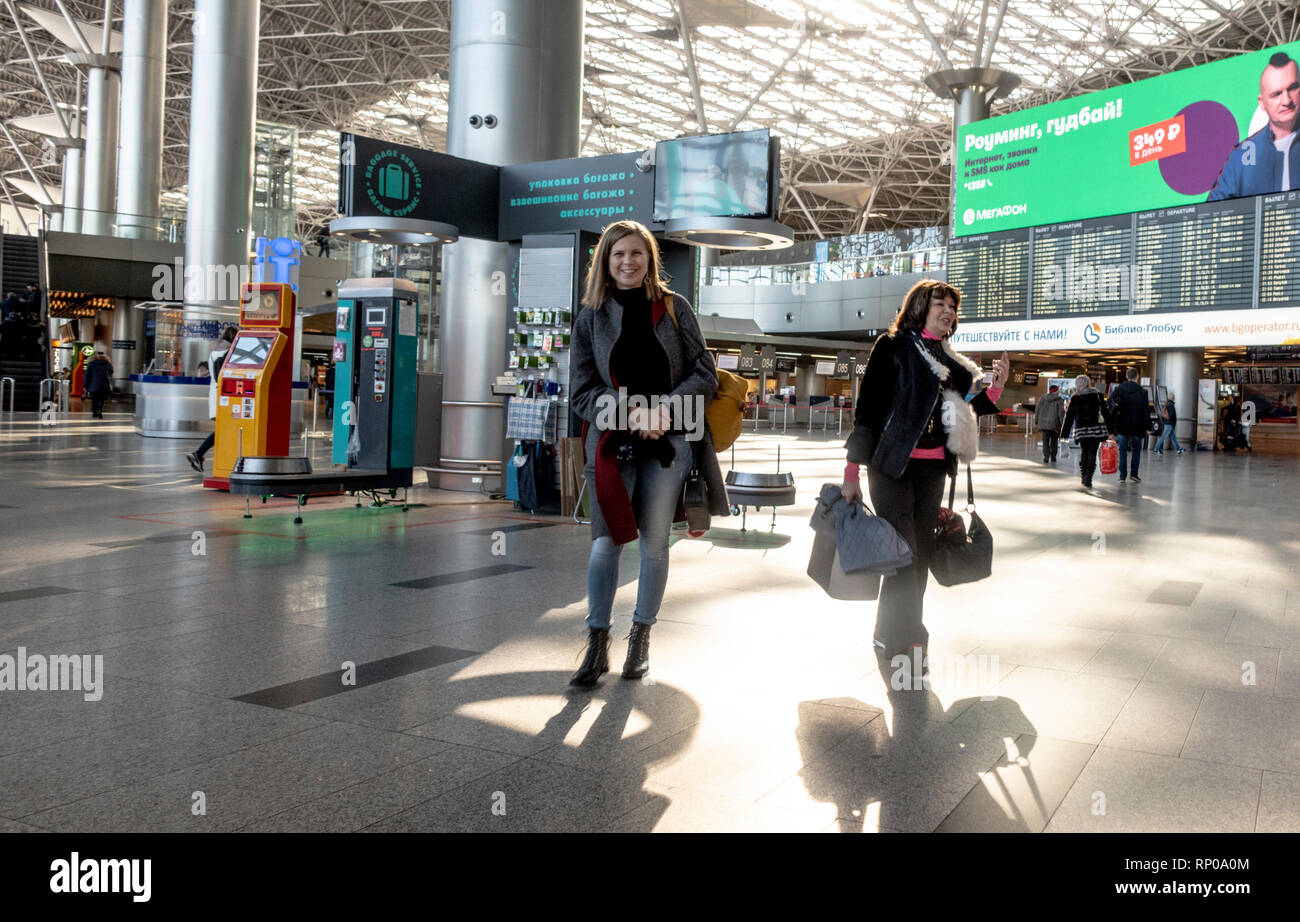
(724,175)
(1194,135)
(1279,251)
(1083,267)
(249,351)
(1199,257)
(992,273)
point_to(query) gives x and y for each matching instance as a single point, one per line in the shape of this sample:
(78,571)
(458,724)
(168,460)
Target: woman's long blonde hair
(598,280)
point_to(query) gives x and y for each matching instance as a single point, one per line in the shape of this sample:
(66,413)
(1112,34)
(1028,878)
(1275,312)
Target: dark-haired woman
(915,419)
(638,360)
(1090,420)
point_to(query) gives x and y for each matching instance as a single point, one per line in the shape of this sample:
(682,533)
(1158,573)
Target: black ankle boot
(637,663)
(596,663)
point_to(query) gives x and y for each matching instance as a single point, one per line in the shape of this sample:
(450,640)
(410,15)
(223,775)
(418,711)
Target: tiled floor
(1133,663)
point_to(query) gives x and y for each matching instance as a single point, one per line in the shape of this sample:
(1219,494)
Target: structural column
(1179,370)
(98,194)
(973,91)
(222,115)
(144,67)
(515,97)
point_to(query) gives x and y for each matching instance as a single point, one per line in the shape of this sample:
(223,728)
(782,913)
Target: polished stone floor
(1132,665)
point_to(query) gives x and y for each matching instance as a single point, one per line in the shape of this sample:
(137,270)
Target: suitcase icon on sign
(394,182)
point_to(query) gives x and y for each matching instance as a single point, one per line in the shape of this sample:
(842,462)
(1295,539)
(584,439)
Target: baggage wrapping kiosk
(374,427)
(255,388)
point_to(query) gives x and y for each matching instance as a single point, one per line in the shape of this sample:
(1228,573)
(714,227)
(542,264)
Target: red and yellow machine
(255,389)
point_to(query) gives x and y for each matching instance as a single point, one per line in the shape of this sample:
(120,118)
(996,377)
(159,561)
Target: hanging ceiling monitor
(722,175)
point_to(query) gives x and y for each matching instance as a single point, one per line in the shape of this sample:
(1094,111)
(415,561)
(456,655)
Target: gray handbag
(827,565)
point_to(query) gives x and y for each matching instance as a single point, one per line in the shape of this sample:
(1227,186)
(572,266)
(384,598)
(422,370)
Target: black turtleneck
(639,361)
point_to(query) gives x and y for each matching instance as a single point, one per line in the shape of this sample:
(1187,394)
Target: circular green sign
(368,341)
(88,351)
(393,183)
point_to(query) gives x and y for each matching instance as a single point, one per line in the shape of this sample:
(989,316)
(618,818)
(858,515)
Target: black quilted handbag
(961,554)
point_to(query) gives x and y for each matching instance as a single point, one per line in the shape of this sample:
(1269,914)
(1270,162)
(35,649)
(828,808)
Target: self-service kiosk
(255,388)
(375,360)
(375,385)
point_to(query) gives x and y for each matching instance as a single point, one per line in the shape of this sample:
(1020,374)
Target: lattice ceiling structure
(839,82)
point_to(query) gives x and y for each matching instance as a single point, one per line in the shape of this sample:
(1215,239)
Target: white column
(144,66)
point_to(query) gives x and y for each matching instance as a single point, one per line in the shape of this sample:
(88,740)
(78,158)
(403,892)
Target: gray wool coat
(690,368)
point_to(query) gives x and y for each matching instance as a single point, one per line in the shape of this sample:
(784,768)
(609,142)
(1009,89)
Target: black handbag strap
(970,490)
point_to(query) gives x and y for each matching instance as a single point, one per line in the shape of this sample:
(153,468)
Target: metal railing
(57,387)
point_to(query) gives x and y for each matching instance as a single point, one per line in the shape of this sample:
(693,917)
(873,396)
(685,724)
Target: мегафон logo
(970,215)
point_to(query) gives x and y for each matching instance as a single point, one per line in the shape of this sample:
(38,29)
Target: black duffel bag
(961,554)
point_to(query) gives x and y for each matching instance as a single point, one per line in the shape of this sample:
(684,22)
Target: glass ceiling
(840,83)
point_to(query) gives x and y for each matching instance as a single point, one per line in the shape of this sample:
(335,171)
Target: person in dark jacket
(1090,420)
(98,382)
(915,419)
(1169,417)
(634,345)
(1048,416)
(1132,416)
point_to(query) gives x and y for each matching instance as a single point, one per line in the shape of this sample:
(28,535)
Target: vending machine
(255,387)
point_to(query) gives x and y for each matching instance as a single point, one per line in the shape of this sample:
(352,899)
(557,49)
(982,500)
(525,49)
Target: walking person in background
(98,382)
(215,360)
(1089,419)
(1048,416)
(1169,416)
(1132,420)
(915,418)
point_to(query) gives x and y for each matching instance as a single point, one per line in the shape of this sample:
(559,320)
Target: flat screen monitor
(729,361)
(249,351)
(825,367)
(721,175)
(1031,377)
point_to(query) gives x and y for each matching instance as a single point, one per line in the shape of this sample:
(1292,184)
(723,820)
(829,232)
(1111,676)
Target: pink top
(851,473)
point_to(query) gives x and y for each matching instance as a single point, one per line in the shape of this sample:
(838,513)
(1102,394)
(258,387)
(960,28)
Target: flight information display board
(1279,251)
(1198,257)
(1083,267)
(992,273)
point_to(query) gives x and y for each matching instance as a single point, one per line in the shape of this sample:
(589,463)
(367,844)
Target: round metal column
(972,91)
(70,192)
(223,102)
(98,194)
(144,66)
(1179,370)
(517,65)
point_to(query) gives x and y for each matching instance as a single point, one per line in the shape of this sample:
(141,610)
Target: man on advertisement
(1263,162)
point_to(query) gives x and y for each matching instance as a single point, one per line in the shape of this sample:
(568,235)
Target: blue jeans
(1133,444)
(654,491)
(1167,438)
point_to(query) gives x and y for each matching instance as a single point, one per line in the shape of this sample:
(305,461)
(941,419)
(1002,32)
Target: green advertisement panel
(1218,131)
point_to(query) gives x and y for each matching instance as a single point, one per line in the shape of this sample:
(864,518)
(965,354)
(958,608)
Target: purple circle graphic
(1211,132)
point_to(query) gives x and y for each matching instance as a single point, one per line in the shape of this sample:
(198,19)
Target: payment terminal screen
(250,351)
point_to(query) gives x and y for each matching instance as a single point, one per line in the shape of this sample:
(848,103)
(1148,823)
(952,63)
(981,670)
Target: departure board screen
(1279,250)
(1198,257)
(992,273)
(1083,267)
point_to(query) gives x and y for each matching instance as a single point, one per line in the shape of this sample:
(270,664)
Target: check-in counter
(174,407)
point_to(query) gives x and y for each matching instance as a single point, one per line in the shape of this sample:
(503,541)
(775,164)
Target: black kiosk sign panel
(583,194)
(381,179)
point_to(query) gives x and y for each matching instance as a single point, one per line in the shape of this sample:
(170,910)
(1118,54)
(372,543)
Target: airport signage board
(1145,331)
(586,193)
(382,179)
(1190,136)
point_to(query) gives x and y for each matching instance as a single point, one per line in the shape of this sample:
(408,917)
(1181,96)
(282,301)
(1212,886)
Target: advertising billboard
(1217,131)
(721,175)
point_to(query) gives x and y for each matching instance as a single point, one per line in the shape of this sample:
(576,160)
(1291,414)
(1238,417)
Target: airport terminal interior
(305,308)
